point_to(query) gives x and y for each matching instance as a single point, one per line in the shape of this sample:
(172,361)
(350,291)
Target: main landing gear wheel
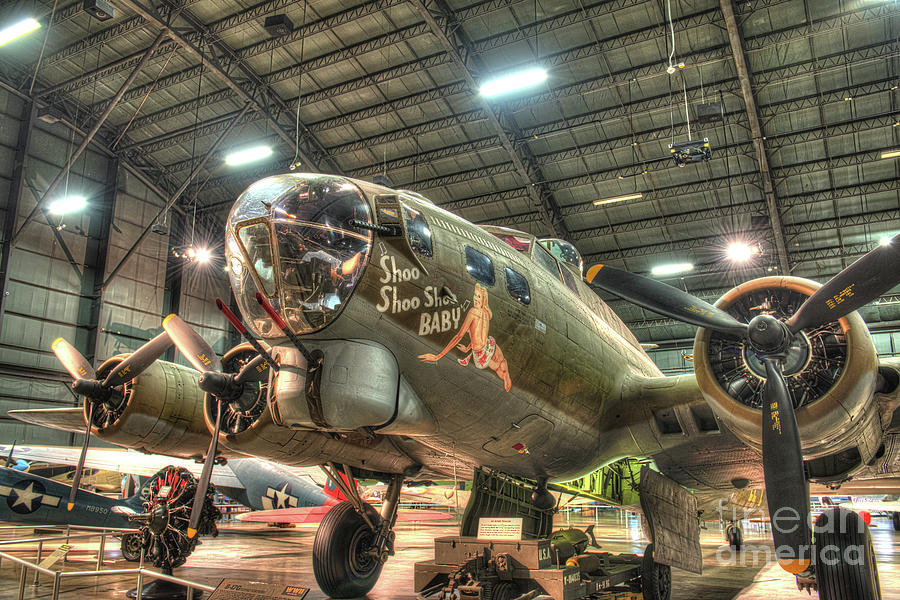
(342,562)
(895,517)
(131,547)
(845,566)
(656,579)
(735,536)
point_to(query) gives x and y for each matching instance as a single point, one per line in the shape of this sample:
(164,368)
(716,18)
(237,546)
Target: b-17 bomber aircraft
(391,339)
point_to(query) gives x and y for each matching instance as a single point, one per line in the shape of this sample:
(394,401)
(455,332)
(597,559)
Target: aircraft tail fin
(136,500)
(334,492)
(827,501)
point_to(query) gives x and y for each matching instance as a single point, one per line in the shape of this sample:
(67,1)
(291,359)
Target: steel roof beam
(174,198)
(707,242)
(464,148)
(807,199)
(257,94)
(460,51)
(745,77)
(164,33)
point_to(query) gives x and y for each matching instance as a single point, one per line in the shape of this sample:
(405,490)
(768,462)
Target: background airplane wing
(315,514)
(118,460)
(64,419)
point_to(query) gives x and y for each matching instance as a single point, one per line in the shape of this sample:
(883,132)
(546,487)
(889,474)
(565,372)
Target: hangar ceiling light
(67,205)
(615,199)
(672,269)
(248,155)
(17,30)
(741,252)
(890,154)
(513,82)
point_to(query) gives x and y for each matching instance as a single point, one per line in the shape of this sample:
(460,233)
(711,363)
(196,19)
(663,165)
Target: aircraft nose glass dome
(289,238)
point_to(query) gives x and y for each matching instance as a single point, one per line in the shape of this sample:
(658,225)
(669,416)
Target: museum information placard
(500,528)
(237,589)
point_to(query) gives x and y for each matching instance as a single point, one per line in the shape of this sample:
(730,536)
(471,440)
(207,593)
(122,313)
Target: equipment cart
(506,570)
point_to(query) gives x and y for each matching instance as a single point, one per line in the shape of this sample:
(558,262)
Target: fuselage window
(545,260)
(517,286)
(418,231)
(569,279)
(480,266)
(519,243)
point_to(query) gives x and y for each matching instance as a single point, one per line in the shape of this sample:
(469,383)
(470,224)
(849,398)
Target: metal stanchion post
(38,561)
(22,583)
(140,583)
(56,581)
(101,550)
(68,533)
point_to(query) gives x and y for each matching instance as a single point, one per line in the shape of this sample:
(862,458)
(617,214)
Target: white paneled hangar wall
(50,296)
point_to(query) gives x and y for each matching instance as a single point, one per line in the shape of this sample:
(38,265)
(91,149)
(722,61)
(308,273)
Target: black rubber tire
(504,591)
(895,517)
(656,579)
(838,579)
(338,564)
(131,547)
(735,537)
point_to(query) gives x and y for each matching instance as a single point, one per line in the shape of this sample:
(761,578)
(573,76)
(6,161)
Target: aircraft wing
(119,460)
(64,419)
(314,514)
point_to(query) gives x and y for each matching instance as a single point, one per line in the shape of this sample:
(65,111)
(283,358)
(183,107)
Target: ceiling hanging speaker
(99,9)
(709,112)
(278,25)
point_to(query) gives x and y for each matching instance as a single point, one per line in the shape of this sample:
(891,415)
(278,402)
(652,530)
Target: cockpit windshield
(297,246)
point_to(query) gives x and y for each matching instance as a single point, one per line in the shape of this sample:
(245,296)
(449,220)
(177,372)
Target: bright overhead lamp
(513,82)
(202,255)
(741,252)
(885,240)
(891,154)
(615,199)
(67,205)
(248,155)
(672,269)
(16,31)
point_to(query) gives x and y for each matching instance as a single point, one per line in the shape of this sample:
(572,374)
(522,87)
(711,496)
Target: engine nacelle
(160,411)
(831,372)
(252,424)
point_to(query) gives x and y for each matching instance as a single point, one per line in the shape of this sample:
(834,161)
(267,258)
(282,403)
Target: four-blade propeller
(95,391)
(221,386)
(787,488)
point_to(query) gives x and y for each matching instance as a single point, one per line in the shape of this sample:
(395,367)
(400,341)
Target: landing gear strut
(353,541)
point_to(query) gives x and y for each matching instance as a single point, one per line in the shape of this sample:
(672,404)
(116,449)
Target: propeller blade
(857,285)
(205,474)
(139,360)
(79,469)
(255,370)
(189,342)
(787,490)
(73,361)
(664,299)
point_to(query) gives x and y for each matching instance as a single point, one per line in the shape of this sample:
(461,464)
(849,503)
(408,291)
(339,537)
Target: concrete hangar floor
(260,553)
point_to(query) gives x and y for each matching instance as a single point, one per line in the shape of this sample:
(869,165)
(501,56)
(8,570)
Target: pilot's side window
(569,279)
(480,266)
(517,286)
(418,231)
(546,260)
